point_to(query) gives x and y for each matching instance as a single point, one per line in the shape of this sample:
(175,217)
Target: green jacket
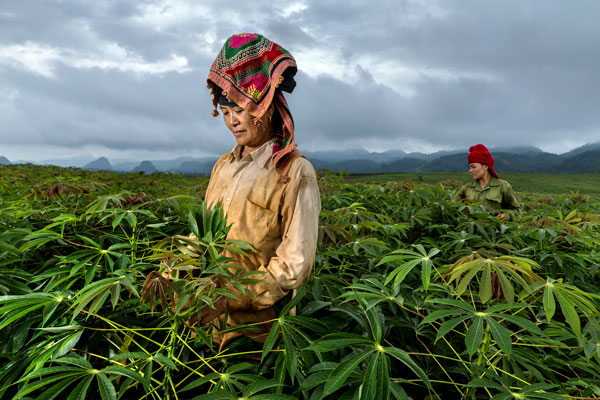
(497,194)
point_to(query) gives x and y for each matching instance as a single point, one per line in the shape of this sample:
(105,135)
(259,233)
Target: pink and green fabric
(249,68)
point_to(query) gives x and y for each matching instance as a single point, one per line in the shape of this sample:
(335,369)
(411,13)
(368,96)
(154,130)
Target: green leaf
(568,310)
(375,324)
(56,389)
(402,271)
(315,380)
(338,376)
(90,241)
(136,355)
(106,388)
(398,392)
(462,286)
(80,391)
(271,340)
(118,370)
(165,361)
(115,294)
(426,265)
(10,317)
(454,303)
(537,387)
(369,382)
(295,301)
(338,340)
(403,357)
(45,382)
(481,382)
(291,358)
(440,314)
(549,303)
(259,386)
(485,289)
(67,344)
(474,335)
(383,379)
(522,322)
(132,219)
(220,395)
(77,361)
(448,326)
(201,381)
(501,335)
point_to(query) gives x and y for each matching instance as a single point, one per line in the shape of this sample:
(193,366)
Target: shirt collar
(261,156)
(493,182)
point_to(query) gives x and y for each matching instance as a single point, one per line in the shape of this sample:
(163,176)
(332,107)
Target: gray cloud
(124,77)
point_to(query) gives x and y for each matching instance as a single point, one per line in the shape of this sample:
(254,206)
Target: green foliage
(411,295)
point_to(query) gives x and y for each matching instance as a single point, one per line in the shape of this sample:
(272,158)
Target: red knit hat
(480,154)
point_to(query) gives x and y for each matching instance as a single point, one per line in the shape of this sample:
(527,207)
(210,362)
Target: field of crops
(411,296)
(521,182)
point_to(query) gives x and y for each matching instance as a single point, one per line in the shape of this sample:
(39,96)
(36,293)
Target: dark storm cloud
(121,75)
(519,72)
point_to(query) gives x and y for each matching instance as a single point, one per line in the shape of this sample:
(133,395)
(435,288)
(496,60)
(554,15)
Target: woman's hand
(502,217)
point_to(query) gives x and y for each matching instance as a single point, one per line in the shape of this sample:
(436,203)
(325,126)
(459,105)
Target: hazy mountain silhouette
(203,167)
(100,164)
(145,166)
(4,161)
(508,159)
(588,161)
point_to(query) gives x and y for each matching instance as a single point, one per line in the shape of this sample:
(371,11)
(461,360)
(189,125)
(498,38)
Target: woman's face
(241,124)
(477,170)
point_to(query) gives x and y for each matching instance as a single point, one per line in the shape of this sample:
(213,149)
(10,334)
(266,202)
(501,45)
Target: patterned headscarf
(252,71)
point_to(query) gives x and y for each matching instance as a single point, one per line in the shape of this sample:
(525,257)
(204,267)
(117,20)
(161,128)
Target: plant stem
(481,352)
(171,355)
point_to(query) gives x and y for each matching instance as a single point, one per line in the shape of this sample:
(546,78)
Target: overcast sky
(127,79)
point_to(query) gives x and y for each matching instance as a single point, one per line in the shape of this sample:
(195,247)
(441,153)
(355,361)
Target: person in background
(268,191)
(487,187)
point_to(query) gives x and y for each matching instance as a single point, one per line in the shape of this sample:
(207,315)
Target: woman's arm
(510,204)
(294,256)
(460,194)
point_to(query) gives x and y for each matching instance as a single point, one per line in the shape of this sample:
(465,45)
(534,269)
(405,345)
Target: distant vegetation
(521,182)
(585,159)
(411,295)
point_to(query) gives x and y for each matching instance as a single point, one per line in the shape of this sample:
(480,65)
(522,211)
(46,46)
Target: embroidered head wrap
(480,154)
(251,71)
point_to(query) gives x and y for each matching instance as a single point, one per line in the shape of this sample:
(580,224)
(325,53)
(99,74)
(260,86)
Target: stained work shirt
(497,194)
(280,220)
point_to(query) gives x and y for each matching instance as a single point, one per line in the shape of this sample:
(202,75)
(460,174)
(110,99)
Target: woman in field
(269,192)
(487,187)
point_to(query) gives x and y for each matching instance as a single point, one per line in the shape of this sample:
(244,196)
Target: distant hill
(508,162)
(125,166)
(582,149)
(451,163)
(145,166)
(404,165)
(4,161)
(508,159)
(588,162)
(195,167)
(357,166)
(516,150)
(101,164)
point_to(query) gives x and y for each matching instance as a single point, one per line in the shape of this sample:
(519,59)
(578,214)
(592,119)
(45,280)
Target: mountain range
(584,159)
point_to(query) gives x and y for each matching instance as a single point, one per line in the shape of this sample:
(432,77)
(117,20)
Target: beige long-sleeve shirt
(280,220)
